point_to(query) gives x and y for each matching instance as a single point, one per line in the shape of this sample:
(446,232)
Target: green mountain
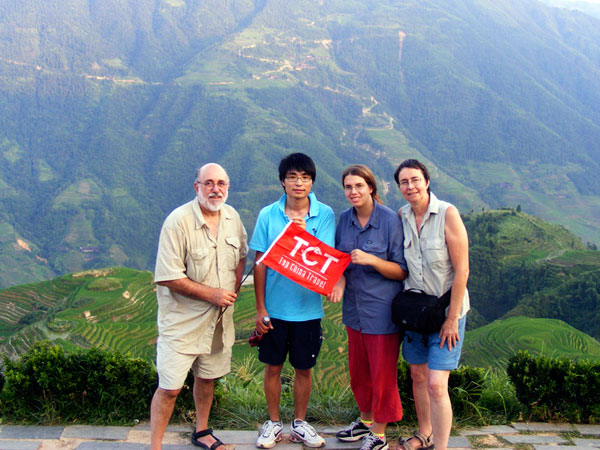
(493,344)
(521,265)
(107,107)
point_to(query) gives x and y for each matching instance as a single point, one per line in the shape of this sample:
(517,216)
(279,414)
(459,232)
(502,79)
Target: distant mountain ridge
(591,8)
(107,107)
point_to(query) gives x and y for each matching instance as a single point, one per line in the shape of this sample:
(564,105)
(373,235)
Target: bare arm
(388,269)
(458,248)
(217,296)
(260,282)
(239,272)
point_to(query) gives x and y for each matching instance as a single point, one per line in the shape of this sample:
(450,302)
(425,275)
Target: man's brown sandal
(199,434)
(426,442)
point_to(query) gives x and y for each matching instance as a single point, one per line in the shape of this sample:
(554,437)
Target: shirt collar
(432,208)
(373,220)
(313,209)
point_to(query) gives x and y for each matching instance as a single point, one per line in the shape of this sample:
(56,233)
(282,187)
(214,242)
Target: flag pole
(222,309)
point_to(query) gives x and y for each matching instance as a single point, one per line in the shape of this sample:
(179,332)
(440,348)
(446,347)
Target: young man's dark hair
(298,162)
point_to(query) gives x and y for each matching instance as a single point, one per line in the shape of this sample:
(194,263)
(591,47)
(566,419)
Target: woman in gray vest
(436,249)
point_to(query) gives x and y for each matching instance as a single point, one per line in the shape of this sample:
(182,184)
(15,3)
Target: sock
(380,436)
(367,422)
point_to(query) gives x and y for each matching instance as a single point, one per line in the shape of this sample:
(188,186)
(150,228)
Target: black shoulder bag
(414,310)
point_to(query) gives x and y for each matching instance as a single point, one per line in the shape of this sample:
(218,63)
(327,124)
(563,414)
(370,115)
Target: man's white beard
(205,202)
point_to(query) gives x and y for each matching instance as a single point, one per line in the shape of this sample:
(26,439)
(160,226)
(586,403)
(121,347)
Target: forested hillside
(523,266)
(107,107)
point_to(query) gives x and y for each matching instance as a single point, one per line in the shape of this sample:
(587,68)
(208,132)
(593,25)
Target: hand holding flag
(301,257)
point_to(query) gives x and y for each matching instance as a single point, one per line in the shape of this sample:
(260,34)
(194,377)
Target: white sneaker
(301,431)
(270,433)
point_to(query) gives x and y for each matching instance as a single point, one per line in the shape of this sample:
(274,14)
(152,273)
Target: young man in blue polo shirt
(295,312)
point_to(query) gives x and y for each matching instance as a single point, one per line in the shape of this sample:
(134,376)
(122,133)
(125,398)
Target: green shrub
(96,386)
(406,394)
(32,317)
(557,388)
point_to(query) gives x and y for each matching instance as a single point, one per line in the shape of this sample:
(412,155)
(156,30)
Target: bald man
(200,262)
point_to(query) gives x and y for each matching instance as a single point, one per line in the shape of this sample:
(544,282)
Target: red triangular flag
(301,257)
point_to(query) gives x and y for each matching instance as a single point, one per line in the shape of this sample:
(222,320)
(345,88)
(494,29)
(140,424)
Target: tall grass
(496,402)
(240,402)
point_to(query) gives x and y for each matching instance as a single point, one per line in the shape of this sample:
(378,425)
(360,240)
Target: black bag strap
(416,291)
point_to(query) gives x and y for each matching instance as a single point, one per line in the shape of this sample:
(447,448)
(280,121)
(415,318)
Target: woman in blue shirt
(372,234)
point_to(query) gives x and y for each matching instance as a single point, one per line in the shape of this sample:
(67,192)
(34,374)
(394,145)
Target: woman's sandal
(199,434)
(426,442)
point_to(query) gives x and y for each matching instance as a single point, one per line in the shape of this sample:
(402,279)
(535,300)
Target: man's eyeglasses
(294,178)
(209,184)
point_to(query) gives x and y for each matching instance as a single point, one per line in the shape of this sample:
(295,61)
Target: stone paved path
(524,436)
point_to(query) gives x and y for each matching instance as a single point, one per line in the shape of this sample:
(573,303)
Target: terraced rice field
(20,300)
(122,319)
(493,344)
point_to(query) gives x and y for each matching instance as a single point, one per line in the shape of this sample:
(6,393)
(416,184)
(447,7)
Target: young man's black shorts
(302,340)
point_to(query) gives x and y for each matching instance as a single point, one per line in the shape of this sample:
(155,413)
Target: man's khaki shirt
(187,249)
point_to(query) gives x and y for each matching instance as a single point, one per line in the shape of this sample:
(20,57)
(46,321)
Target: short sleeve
(396,241)
(326,231)
(171,255)
(259,241)
(244,238)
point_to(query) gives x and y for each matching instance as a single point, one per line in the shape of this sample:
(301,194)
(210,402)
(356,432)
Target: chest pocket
(435,251)
(198,263)
(375,248)
(378,249)
(345,247)
(232,252)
